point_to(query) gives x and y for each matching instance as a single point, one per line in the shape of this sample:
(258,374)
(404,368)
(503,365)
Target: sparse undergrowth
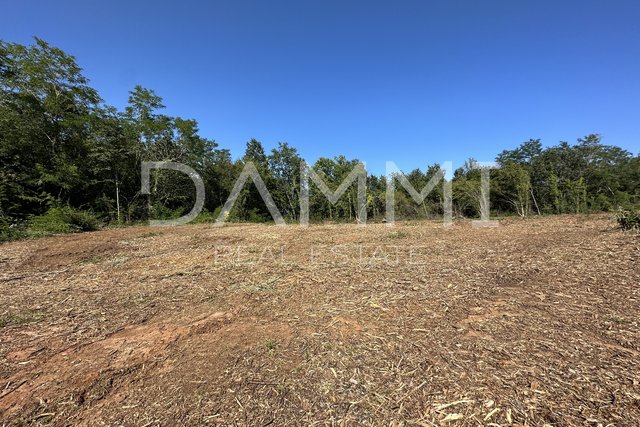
(21,318)
(628,219)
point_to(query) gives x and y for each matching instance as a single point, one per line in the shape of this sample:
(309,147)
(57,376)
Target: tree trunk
(534,201)
(118,198)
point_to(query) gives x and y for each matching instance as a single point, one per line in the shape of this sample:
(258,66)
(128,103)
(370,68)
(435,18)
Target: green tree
(513,185)
(556,194)
(249,205)
(46,109)
(284,165)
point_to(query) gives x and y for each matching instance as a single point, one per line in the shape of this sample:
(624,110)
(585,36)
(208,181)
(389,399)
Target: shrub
(82,220)
(62,220)
(628,220)
(207,217)
(254,215)
(161,212)
(52,222)
(11,230)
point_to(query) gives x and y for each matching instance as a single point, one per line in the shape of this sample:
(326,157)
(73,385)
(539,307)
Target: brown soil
(532,323)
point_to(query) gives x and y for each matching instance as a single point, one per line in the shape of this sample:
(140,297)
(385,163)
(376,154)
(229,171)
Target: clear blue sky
(415,82)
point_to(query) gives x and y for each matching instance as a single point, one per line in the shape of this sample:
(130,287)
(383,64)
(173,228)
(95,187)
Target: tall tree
(284,165)
(46,109)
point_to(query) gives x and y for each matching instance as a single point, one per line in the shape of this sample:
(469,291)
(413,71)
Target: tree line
(64,153)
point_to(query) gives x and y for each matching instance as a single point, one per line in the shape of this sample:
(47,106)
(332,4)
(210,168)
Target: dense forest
(70,162)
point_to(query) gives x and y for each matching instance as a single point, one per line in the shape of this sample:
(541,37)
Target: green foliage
(284,165)
(333,172)
(21,318)
(256,215)
(61,146)
(466,190)
(523,155)
(554,194)
(59,220)
(271,344)
(11,230)
(51,222)
(513,185)
(628,220)
(81,220)
(397,234)
(207,217)
(576,191)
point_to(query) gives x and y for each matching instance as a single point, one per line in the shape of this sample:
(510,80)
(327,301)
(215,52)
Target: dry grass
(533,323)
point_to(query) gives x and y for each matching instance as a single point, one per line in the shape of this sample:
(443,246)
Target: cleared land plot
(532,323)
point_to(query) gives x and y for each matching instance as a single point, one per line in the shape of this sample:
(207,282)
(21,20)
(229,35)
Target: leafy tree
(284,164)
(513,185)
(250,205)
(523,155)
(46,109)
(576,191)
(467,190)
(556,194)
(219,176)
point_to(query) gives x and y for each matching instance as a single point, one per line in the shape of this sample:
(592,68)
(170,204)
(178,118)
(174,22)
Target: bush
(256,216)
(207,217)
(62,220)
(628,220)
(52,222)
(82,220)
(161,212)
(11,230)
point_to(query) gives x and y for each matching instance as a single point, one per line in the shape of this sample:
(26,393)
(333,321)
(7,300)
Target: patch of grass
(397,234)
(184,273)
(93,260)
(142,236)
(619,320)
(117,260)
(271,344)
(261,287)
(106,259)
(282,388)
(137,300)
(44,419)
(149,234)
(206,217)
(21,318)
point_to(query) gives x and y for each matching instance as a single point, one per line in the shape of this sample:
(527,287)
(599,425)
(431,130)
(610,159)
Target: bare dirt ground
(533,323)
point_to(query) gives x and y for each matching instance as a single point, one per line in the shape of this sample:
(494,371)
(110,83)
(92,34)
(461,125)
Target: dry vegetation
(533,323)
